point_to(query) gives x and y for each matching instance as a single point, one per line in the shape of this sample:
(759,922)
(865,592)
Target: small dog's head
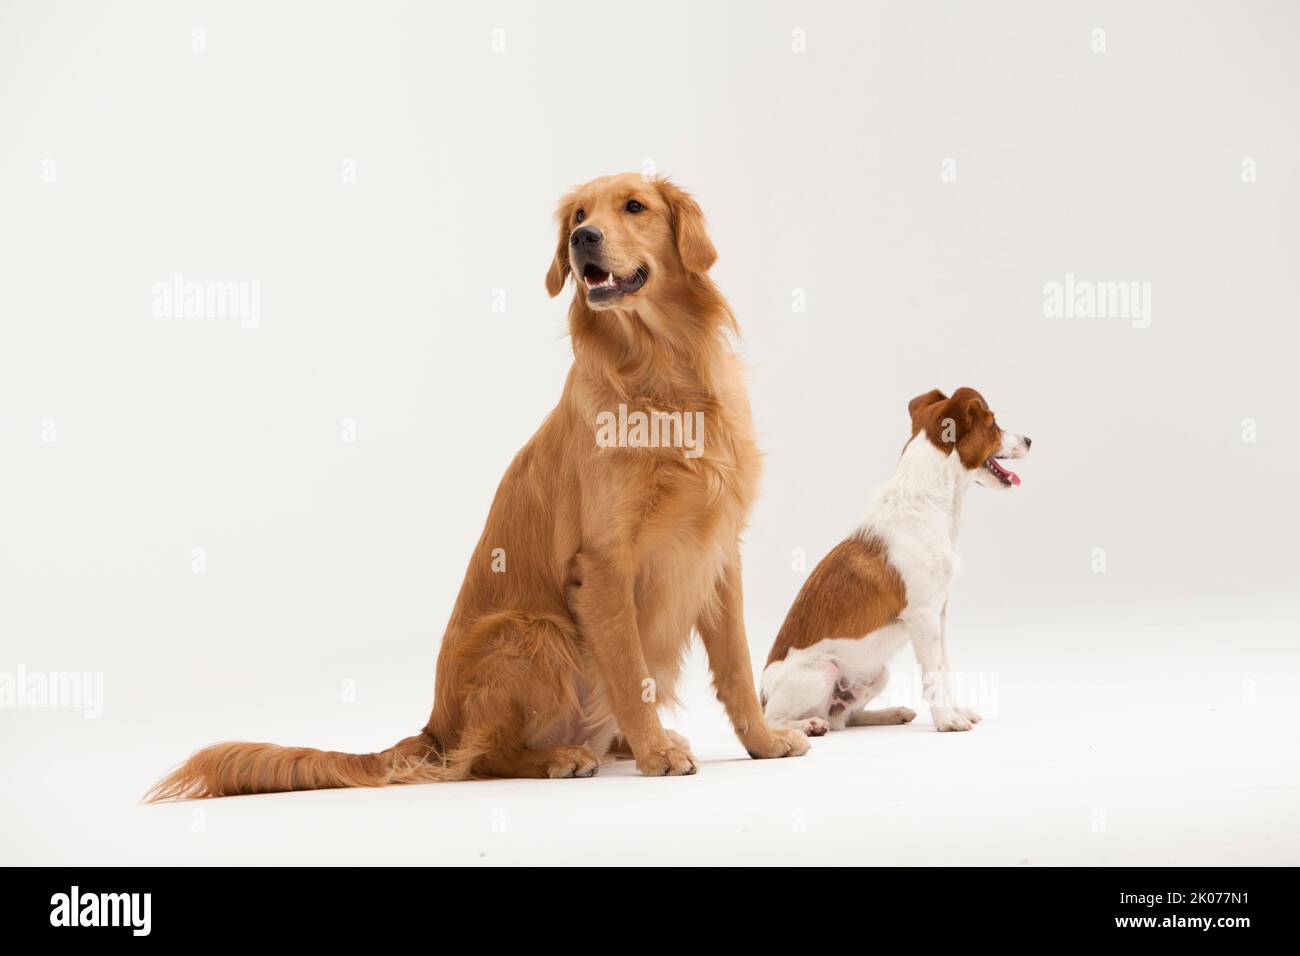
(623,235)
(966,425)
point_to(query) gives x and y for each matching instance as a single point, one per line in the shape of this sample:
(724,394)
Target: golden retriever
(603,550)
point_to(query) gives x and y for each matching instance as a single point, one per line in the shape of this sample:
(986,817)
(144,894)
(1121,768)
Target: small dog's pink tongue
(1011,476)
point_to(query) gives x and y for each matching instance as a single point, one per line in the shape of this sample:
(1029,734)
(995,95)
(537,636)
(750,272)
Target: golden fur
(614,554)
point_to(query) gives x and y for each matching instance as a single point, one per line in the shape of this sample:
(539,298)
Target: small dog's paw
(780,743)
(950,720)
(970,715)
(899,715)
(670,761)
(572,762)
(815,727)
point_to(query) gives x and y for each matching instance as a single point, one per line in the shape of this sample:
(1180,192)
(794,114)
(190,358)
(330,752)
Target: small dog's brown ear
(559,270)
(692,236)
(924,401)
(970,404)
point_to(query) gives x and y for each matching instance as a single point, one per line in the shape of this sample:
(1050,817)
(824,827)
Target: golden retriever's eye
(582,214)
(633,206)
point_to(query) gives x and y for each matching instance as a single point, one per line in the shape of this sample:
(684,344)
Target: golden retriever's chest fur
(672,519)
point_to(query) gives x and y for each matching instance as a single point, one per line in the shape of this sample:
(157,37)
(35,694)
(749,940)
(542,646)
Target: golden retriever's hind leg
(619,749)
(521,680)
(544,762)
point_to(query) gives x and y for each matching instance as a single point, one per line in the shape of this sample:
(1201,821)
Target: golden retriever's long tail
(224,770)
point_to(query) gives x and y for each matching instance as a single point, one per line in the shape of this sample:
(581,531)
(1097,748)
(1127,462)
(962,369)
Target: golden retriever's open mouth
(604,286)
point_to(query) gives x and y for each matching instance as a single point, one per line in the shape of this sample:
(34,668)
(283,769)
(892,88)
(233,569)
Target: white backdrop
(256,527)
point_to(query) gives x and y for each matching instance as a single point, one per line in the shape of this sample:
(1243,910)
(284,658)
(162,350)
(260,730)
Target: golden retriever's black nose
(586,236)
(1028,441)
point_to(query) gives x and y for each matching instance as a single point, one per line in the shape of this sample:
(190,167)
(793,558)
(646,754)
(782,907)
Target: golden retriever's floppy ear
(559,270)
(924,401)
(693,243)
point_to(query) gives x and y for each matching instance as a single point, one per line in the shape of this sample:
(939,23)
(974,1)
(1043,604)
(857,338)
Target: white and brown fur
(887,583)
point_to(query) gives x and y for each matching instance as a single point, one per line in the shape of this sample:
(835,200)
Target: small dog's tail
(224,770)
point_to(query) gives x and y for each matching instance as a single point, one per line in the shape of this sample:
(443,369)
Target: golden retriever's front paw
(680,742)
(669,761)
(776,743)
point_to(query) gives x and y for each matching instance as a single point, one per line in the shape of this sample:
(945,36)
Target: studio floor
(1152,744)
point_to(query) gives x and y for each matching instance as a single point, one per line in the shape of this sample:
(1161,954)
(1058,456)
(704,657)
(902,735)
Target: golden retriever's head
(624,236)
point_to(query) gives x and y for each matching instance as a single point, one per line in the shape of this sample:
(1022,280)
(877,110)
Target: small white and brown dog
(887,583)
